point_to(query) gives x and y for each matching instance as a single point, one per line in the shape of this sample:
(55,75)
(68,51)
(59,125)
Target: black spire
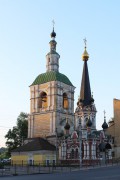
(85,92)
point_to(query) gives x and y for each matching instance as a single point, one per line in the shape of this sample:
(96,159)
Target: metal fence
(42,168)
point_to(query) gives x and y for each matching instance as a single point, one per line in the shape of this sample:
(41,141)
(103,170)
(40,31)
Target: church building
(55,131)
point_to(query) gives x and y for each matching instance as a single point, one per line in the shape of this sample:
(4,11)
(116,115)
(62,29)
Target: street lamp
(80,142)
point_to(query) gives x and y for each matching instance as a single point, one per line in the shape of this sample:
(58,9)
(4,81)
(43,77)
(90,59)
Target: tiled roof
(36,144)
(51,76)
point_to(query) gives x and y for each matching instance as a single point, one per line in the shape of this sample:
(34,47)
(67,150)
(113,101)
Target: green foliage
(16,136)
(1,165)
(3,153)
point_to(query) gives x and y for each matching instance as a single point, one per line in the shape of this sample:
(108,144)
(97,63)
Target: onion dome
(53,34)
(104,125)
(85,55)
(88,123)
(67,126)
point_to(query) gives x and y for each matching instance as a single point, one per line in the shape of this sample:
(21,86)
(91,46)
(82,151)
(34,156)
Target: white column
(110,154)
(60,155)
(48,95)
(51,123)
(87,150)
(94,150)
(64,151)
(54,119)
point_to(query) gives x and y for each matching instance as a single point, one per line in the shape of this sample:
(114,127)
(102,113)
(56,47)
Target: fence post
(39,167)
(2,172)
(61,168)
(49,168)
(15,171)
(28,169)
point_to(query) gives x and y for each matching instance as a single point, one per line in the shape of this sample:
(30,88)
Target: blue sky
(25,27)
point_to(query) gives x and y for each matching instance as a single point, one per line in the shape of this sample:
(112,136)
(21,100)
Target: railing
(40,167)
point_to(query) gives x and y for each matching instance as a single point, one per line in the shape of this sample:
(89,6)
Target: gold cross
(85,41)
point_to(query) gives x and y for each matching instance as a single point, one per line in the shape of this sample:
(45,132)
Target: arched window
(65,101)
(42,100)
(72,154)
(76,154)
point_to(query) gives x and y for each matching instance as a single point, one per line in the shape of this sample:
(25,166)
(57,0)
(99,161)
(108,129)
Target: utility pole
(80,142)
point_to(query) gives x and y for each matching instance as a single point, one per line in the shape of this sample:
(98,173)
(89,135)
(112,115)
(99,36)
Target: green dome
(51,76)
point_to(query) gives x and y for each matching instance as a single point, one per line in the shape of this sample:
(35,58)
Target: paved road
(105,173)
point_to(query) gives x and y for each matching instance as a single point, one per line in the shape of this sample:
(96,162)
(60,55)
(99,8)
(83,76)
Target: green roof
(51,76)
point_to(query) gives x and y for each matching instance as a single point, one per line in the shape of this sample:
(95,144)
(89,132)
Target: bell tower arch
(51,98)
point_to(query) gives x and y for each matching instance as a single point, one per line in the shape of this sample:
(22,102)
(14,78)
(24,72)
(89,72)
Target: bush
(1,166)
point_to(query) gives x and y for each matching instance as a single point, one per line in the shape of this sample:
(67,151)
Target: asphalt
(103,173)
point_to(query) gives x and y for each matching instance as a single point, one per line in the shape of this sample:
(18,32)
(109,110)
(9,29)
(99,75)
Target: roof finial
(92,94)
(104,116)
(85,41)
(104,125)
(53,22)
(85,55)
(53,34)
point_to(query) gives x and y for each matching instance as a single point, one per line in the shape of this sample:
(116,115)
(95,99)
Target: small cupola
(104,125)
(53,34)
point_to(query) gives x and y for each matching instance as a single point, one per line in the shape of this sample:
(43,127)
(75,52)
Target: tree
(16,136)
(3,151)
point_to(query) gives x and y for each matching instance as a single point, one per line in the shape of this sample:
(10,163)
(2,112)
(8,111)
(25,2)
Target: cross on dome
(85,41)
(53,34)
(104,113)
(53,22)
